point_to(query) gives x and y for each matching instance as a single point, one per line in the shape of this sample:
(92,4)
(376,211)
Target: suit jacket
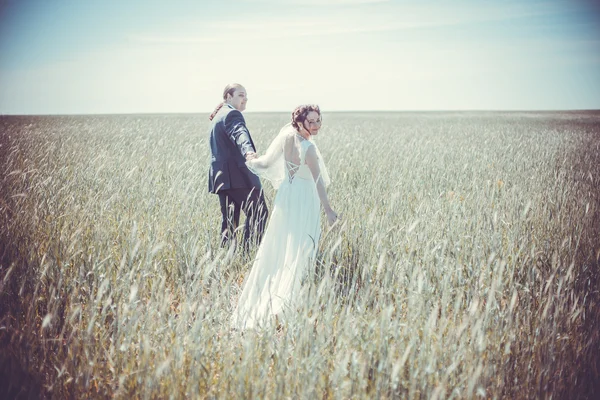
(229,143)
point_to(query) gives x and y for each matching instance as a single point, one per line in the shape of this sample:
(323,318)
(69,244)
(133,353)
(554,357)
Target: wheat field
(466,265)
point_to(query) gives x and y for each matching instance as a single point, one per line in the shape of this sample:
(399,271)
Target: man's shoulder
(229,116)
(233,115)
(222,113)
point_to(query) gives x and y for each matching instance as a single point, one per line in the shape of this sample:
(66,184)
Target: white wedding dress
(287,252)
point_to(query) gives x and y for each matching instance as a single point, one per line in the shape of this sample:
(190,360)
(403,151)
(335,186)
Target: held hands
(250,155)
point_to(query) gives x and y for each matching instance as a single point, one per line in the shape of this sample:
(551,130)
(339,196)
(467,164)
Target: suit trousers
(252,202)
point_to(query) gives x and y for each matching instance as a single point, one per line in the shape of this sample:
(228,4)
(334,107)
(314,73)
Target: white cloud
(317,2)
(367,56)
(327,22)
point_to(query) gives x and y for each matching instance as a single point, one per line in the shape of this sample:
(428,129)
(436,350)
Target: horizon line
(286,111)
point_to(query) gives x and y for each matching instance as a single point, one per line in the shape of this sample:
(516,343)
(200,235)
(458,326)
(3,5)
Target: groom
(238,188)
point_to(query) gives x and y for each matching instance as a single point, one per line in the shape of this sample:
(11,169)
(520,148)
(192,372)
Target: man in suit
(238,188)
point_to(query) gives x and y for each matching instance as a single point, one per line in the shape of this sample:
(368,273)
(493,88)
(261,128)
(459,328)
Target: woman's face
(238,99)
(312,123)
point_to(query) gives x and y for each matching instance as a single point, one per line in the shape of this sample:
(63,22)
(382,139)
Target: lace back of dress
(293,154)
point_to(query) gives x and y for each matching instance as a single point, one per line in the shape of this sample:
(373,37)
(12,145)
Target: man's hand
(250,155)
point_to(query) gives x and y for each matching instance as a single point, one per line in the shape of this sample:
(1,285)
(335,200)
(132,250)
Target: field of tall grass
(466,266)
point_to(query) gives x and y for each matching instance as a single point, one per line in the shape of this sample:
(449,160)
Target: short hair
(229,90)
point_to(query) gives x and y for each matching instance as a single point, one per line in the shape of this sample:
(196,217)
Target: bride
(294,165)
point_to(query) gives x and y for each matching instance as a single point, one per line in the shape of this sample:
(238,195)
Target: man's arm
(236,129)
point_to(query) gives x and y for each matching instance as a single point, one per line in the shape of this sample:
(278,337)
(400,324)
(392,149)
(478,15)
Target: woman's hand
(332,217)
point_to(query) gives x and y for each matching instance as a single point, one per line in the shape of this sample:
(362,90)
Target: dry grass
(467,265)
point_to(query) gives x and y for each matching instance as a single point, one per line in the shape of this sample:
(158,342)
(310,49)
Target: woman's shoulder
(309,148)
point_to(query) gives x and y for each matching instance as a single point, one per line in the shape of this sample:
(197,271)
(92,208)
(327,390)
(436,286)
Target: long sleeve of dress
(236,129)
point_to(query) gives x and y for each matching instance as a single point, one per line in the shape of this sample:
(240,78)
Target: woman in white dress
(294,165)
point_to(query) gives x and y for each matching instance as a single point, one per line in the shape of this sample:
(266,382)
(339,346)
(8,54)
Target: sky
(99,57)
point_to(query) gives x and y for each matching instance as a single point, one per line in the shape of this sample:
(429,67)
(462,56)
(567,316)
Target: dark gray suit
(237,187)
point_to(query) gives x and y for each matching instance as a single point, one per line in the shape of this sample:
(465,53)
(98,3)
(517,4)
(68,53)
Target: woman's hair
(300,113)
(229,89)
